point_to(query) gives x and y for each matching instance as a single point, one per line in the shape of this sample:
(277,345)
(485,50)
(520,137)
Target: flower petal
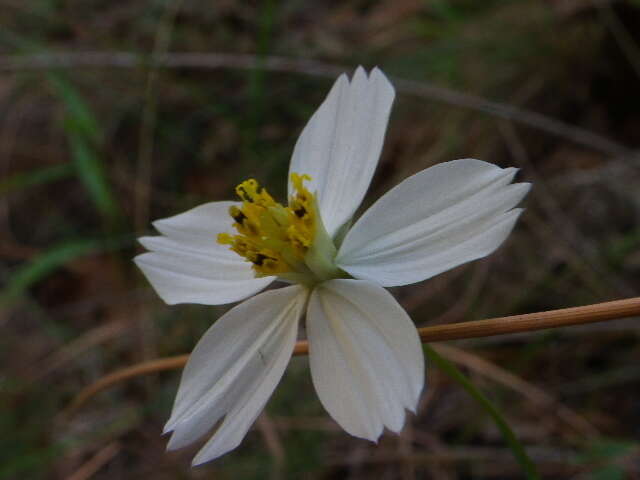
(340,145)
(366,357)
(233,371)
(433,221)
(197,229)
(187,265)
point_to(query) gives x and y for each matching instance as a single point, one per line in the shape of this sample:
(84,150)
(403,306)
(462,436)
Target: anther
(275,239)
(237,214)
(260,259)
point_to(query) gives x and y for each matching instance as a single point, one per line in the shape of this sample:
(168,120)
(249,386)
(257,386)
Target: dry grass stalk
(478,328)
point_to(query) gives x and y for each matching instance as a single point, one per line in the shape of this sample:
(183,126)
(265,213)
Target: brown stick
(522,323)
(478,328)
(152,366)
(95,463)
(529,322)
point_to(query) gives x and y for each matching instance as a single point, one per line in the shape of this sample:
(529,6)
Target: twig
(564,317)
(553,462)
(95,463)
(90,339)
(212,61)
(478,328)
(152,366)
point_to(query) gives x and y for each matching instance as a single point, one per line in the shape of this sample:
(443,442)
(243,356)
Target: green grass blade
(91,173)
(50,260)
(516,447)
(84,136)
(605,458)
(43,264)
(79,116)
(35,177)
(83,132)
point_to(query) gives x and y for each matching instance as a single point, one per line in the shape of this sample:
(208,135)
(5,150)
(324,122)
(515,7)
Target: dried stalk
(88,59)
(598,312)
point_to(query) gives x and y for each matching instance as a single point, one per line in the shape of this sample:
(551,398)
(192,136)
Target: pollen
(274,238)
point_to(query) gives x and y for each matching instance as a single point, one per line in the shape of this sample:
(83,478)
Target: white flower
(365,354)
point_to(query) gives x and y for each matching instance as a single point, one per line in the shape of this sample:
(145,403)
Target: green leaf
(35,177)
(516,447)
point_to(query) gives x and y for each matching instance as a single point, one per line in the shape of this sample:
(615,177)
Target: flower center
(289,242)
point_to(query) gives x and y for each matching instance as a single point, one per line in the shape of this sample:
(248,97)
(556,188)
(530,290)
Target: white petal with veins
(366,357)
(341,144)
(187,265)
(433,221)
(198,228)
(234,369)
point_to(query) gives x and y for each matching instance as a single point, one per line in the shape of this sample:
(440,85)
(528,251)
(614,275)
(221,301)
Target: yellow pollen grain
(274,238)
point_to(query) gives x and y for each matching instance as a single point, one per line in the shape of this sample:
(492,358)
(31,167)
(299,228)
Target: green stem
(516,447)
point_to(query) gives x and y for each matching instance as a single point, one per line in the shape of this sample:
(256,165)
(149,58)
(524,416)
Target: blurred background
(113,114)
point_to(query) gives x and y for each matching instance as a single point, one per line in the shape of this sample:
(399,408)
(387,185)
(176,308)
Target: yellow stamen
(274,238)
